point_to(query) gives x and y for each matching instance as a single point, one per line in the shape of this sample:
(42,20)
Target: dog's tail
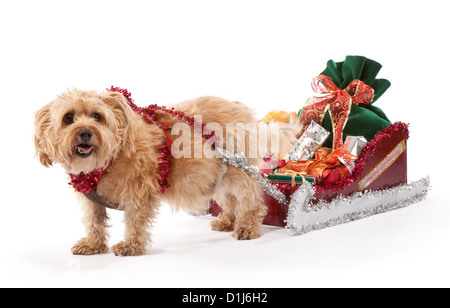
(260,140)
(281,137)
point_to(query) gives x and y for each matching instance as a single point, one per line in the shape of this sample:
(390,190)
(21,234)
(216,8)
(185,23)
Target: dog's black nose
(85,135)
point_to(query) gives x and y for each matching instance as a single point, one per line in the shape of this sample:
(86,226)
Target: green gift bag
(364,119)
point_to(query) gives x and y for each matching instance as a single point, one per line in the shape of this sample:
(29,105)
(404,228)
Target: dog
(85,131)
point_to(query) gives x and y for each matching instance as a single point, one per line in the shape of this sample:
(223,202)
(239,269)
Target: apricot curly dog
(86,131)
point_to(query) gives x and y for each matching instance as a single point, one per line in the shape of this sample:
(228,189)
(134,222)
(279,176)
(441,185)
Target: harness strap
(96,198)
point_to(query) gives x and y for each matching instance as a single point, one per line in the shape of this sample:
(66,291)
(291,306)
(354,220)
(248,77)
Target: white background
(262,53)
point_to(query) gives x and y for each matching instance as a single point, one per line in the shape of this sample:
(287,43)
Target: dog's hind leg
(225,220)
(247,208)
(249,211)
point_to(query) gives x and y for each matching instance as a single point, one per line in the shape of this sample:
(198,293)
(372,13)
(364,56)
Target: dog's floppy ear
(124,116)
(41,131)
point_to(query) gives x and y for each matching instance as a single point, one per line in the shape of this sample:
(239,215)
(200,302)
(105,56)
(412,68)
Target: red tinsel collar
(86,183)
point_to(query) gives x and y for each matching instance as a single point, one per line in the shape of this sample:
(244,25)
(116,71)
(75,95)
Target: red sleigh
(378,184)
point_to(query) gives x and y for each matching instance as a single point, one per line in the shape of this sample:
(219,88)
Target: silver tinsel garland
(304,217)
(239,160)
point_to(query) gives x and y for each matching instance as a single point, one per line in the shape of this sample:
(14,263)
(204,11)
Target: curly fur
(125,146)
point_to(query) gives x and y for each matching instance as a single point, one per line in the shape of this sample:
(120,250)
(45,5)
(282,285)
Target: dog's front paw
(87,246)
(125,248)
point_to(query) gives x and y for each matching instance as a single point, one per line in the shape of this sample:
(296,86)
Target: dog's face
(84,130)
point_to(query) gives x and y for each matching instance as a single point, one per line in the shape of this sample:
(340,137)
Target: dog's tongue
(84,148)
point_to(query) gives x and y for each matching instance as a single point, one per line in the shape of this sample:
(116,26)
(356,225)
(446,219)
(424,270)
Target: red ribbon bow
(338,102)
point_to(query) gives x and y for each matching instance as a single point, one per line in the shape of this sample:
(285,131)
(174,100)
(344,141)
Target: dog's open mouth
(84,150)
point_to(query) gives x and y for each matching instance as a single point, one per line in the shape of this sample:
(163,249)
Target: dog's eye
(96,116)
(68,118)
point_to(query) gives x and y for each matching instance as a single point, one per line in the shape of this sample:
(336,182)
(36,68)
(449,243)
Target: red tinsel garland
(165,151)
(286,189)
(86,183)
(364,156)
